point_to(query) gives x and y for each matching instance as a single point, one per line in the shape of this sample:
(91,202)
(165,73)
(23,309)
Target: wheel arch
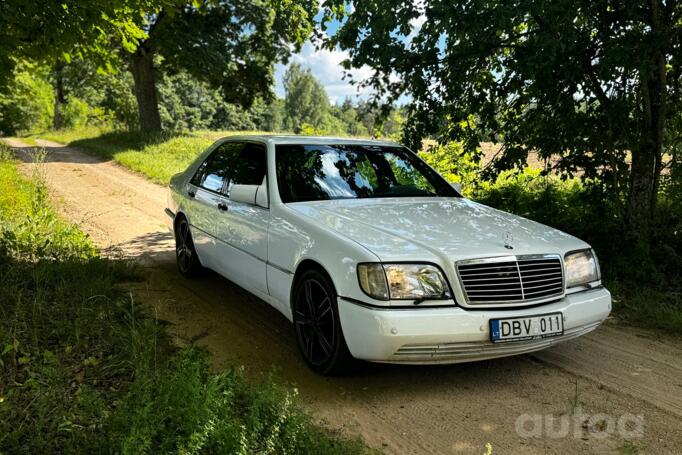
(301,268)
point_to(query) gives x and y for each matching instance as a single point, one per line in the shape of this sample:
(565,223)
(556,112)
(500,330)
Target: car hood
(402,229)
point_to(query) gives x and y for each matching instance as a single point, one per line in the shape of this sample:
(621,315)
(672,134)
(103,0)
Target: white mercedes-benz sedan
(372,255)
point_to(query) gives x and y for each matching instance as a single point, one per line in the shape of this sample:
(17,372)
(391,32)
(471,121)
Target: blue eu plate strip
(495,328)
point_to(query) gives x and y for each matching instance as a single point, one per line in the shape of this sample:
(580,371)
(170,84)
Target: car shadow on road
(241,329)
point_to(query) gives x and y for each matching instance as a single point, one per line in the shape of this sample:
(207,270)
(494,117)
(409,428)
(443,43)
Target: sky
(326,67)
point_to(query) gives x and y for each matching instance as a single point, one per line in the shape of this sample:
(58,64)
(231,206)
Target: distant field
(158,157)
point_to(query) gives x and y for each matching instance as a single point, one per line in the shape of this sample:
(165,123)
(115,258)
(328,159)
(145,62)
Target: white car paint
(260,248)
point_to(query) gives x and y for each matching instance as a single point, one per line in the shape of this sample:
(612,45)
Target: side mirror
(457,186)
(250,194)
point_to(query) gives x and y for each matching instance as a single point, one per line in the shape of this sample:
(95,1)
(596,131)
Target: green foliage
(45,30)
(187,410)
(76,113)
(231,46)
(455,164)
(538,76)
(306,101)
(27,104)
(212,44)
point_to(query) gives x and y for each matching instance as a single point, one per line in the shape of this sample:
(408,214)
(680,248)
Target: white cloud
(326,67)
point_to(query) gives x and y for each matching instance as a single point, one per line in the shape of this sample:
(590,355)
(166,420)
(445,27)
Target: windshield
(322,172)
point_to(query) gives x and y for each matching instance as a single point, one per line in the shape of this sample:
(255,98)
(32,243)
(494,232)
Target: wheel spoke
(185,233)
(309,346)
(308,287)
(302,319)
(324,308)
(324,344)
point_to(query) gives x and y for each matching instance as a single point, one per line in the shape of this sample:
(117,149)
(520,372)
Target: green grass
(83,368)
(156,156)
(647,307)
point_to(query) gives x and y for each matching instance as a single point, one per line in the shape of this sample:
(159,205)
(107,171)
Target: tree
(306,101)
(592,82)
(46,30)
(229,44)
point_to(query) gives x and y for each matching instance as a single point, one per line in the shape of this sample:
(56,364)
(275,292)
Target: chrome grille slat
(511,279)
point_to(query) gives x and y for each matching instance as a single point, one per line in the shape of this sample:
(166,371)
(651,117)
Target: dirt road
(616,375)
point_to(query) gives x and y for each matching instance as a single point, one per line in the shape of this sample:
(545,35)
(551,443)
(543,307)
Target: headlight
(403,281)
(581,268)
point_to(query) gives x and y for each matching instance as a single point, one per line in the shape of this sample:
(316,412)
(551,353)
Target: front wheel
(185,254)
(317,325)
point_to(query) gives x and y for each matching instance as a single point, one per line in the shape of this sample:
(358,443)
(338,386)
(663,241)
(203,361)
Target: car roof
(308,140)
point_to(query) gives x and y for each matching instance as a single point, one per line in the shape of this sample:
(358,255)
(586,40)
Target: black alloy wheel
(317,325)
(185,254)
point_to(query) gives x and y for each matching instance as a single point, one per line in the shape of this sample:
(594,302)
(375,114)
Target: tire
(317,325)
(185,255)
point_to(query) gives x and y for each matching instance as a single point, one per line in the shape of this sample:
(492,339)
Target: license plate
(526,328)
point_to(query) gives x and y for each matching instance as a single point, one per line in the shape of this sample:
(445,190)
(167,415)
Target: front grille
(515,279)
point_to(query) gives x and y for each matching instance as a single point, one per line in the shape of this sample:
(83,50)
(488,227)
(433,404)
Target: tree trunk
(144,76)
(646,156)
(59,96)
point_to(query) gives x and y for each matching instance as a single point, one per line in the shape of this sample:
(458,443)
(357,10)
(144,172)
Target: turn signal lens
(373,281)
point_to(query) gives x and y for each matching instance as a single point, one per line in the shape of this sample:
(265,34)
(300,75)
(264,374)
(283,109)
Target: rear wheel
(185,254)
(317,325)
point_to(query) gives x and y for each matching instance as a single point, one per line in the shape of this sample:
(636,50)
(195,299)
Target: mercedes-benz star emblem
(508,240)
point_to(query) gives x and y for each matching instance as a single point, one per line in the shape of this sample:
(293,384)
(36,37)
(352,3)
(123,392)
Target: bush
(27,104)
(76,113)
(187,410)
(453,163)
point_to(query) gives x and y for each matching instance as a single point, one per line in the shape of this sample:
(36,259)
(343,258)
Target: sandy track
(445,409)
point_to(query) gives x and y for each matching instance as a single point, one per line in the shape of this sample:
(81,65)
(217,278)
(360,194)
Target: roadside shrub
(76,113)
(185,409)
(27,104)
(453,163)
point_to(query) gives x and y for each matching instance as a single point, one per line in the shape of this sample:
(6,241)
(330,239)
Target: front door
(242,229)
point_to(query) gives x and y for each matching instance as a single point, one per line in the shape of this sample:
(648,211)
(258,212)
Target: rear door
(206,195)
(242,229)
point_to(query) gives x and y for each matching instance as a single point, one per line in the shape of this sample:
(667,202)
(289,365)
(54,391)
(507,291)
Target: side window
(250,166)
(213,172)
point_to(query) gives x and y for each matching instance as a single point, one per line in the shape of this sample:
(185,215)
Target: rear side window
(212,173)
(249,167)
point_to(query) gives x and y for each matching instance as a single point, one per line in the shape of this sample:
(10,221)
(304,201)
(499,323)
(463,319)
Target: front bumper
(453,335)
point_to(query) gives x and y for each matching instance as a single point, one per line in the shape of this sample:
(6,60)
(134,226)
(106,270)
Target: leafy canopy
(231,45)
(558,76)
(44,30)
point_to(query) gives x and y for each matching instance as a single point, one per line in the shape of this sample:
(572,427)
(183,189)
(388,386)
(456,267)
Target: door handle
(222,206)
(191,193)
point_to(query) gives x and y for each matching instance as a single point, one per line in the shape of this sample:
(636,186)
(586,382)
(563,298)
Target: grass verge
(156,156)
(83,369)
